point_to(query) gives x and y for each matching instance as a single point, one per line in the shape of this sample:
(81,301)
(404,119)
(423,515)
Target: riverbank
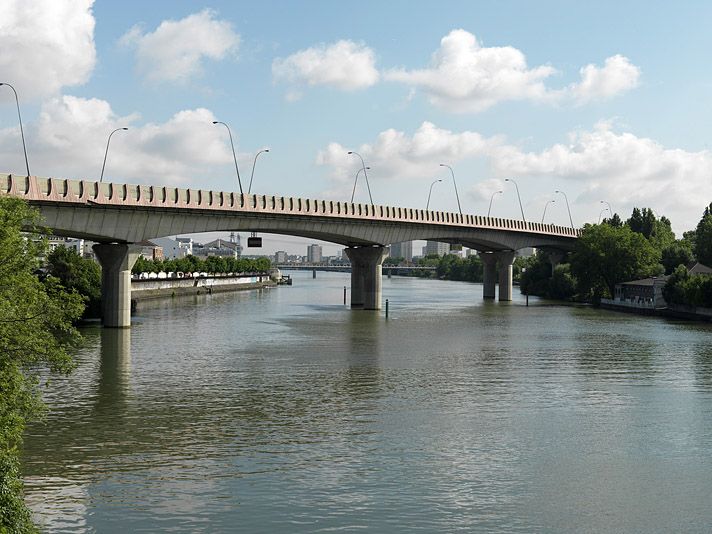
(172,287)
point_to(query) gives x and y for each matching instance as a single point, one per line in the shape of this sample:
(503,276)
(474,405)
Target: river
(281,410)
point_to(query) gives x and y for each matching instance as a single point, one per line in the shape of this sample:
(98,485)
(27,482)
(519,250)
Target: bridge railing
(90,192)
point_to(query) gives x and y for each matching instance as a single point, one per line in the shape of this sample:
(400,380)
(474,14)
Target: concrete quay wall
(169,287)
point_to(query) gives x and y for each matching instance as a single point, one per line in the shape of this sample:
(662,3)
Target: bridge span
(118,215)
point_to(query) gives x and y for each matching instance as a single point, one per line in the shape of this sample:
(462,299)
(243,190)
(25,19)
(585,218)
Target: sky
(605,101)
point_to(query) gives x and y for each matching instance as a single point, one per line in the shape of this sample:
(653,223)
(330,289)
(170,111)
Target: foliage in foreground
(77,274)
(35,332)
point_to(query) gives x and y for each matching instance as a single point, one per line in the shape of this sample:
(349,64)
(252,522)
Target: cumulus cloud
(593,165)
(396,155)
(177,49)
(46,45)
(621,167)
(69,139)
(617,76)
(466,77)
(345,65)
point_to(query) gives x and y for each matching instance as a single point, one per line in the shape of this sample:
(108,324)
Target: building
(645,293)
(174,248)
(314,253)
(77,245)
(436,247)
(218,247)
(150,250)
(403,250)
(280,256)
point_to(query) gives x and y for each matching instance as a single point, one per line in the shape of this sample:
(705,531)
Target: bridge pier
(366,272)
(555,258)
(489,260)
(506,260)
(116,262)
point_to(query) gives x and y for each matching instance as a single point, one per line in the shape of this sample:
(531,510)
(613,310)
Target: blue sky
(605,101)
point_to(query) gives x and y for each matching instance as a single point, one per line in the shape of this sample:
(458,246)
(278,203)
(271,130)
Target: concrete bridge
(118,215)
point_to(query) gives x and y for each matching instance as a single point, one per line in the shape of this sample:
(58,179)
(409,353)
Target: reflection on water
(283,411)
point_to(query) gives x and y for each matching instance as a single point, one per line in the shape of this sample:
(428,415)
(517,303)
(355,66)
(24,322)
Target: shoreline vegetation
(605,255)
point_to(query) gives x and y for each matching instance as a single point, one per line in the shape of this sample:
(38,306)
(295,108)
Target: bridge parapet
(83,192)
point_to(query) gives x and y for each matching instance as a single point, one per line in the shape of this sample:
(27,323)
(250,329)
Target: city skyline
(477,87)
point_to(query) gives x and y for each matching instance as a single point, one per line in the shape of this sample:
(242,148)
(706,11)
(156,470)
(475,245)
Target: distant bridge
(118,215)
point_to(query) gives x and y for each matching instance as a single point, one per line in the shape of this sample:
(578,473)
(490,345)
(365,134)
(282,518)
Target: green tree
(35,332)
(605,256)
(677,253)
(703,238)
(78,274)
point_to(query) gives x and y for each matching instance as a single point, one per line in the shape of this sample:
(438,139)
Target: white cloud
(176,50)
(395,155)
(69,139)
(617,76)
(46,45)
(600,164)
(344,65)
(466,77)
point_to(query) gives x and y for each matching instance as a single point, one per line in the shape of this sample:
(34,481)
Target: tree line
(211,264)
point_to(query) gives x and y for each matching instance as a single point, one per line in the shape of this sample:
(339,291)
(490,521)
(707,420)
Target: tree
(605,255)
(78,274)
(657,231)
(677,253)
(35,331)
(703,238)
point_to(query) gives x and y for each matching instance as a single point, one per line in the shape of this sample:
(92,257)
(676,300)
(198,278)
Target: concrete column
(366,274)
(116,262)
(490,274)
(555,258)
(505,259)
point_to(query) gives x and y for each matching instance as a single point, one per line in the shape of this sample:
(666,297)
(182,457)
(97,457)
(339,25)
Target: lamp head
(215,122)
(507,180)
(266,150)
(500,191)
(350,152)
(557,191)
(1,83)
(124,128)
(368,168)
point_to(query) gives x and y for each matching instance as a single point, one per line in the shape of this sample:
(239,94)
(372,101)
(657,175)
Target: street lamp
(233,153)
(356,180)
(610,210)
(22,133)
(363,167)
(430,193)
(599,215)
(544,214)
(491,199)
(249,188)
(567,207)
(455,184)
(103,165)
(520,198)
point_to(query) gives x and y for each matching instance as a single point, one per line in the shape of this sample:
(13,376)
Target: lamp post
(455,184)
(610,210)
(599,215)
(356,180)
(546,206)
(491,199)
(363,167)
(249,188)
(22,132)
(427,206)
(567,207)
(233,154)
(106,152)
(519,197)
